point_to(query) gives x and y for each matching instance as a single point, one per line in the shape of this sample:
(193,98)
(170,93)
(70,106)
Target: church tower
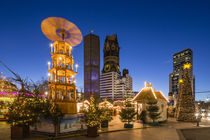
(111,55)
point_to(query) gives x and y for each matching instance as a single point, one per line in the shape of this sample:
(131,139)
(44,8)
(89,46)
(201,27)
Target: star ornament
(187,66)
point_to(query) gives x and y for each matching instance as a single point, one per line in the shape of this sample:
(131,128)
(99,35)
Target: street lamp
(197,115)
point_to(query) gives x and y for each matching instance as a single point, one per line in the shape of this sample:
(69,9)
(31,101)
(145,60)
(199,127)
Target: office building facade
(91,66)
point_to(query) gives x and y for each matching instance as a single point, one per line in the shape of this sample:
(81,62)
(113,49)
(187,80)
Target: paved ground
(4,131)
(166,132)
(116,124)
(196,134)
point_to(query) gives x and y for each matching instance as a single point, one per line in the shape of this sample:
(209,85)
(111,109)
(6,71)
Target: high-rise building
(113,86)
(124,87)
(91,65)
(179,59)
(128,79)
(108,82)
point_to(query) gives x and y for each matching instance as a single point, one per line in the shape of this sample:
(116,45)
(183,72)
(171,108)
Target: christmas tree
(106,113)
(92,114)
(53,113)
(20,113)
(128,113)
(153,110)
(179,97)
(186,103)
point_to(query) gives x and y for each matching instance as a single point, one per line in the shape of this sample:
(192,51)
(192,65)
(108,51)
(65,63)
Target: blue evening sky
(149,33)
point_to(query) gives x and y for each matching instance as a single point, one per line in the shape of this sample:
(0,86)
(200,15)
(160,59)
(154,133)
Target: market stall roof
(148,93)
(105,103)
(160,95)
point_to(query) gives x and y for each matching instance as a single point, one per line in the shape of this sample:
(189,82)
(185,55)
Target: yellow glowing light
(137,94)
(51,45)
(187,66)
(180,80)
(105,103)
(76,65)
(60,58)
(48,74)
(6,99)
(48,63)
(153,93)
(46,93)
(163,96)
(147,85)
(86,102)
(196,114)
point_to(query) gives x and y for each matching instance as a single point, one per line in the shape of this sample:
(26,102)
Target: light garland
(17,93)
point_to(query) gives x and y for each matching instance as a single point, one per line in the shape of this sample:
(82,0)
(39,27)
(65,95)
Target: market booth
(147,94)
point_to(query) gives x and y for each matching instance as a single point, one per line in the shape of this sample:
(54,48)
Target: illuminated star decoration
(180,80)
(187,66)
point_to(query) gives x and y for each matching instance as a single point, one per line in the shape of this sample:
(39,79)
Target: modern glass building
(91,65)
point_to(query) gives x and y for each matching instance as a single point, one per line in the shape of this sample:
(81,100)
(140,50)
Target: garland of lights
(17,93)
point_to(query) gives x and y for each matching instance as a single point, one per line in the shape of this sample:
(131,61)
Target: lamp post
(207,99)
(197,115)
